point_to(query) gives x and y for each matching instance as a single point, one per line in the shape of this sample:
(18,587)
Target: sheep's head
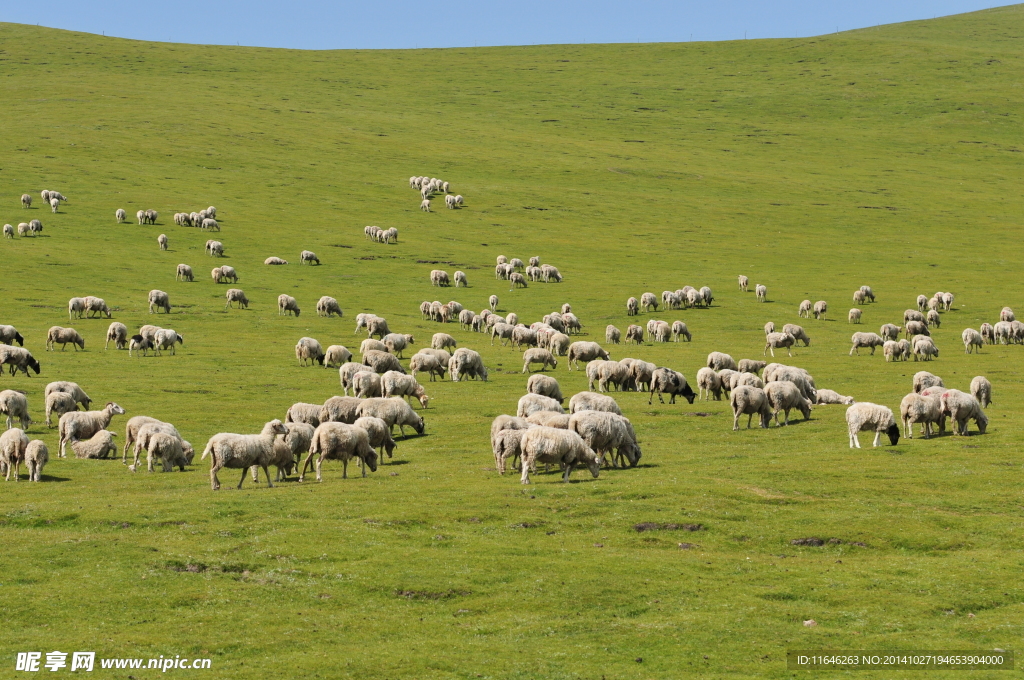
(593,462)
(114,409)
(894,433)
(34,365)
(371,460)
(424,400)
(420,426)
(277,427)
(688,393)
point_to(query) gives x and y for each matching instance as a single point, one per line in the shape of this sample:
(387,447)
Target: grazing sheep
(97,306)
(1006,314)
(99,445)
(460,279)
(592,401)
(613,372)
(672,383)
(854,315)
(35,226)
(309,349)
(720,360)
(798,376)
(538,356)
(832,397)
(429,364)
(550,273)
(635,334)
(871,340)
(59,403)
(544,385)
(8,231)
(981,389)
(54,204)
(612,334)
(228,450)
(868,293)
(922,302)
(962,407)
(632,307)
(397,342)
(777,341)
(532,402)
(382,362)
(933,318)
(341,409)
(303,413)
(308,256)
(586,352)
(36,457)
(57,334)
(26,201)
(506,444)
(747,400)
(326,306)
(393,411)
(890,331)
(394,384)
(805,309)
(76,308)
(502,331)
(972,339)
(820,309)
(83,424)
(273,260)
(160,440)
(184,273)
(891,351)
(378,326)
(524,336)
(161,240)
(744,282)
(466,363)
(859,297)
(214,248)
(24,229)
(935,303)
(70,388)
(286,303)
(336,355)
(1002,333)
(160,300)
(947,301)
(439,277)
(762,292)
(14,404)
(516,280)
(378,435)
(912,315)
(607,434)
(867,416)
(443,340)
(236,295)
(13,445)
(366,384)
(648,301)
(709,384)
(737,379)
(924,348)
(139,343)
(10,335)
(751,366)
(725,377)
(916,408)
(131,431)
(783,396)
(679,330)
(988,335)
(916,328)
(19,359)
(550,419)
(551,445)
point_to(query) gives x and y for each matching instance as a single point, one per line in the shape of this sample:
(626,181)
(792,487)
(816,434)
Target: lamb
(54,204)
(916,328)
(544,385)
(747,400)
(981,389)
(720,360)
(871,340)
(8,231)
(159,440)
(538,356)
(506,444)
(99,445)
(14,404)
(468,363)
(397,342)
(972,339)
(184,273)
(672,383)
(36,457)
(309,349)
(13,447)
(243,451)
(393,411)
(273,260)
(612,334)
(641,374)
(286,303)
(326,306)
(867,416)
(443,340)
(551,445)
(378,435)
(891,351)
(215,248)
(382,362)
(804,310)
(854,316)
(708,384)
(586,352)
(761,292)
(777,341)
(429,364)
(425,205)
(592,401)
(632,307)
(933,318)
(63,336)
(559,344)
(832,397)
(236,295)
(916,408)
(308,256)
(947,301)
(336,355)
(161,240)
(648,301)
(550,273)
(820,308)
(784,396)
(961,407)
(160,300)
(607,433)
(395,384)
(924,348)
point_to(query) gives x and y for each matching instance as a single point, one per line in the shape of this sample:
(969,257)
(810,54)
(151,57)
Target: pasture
(889,157)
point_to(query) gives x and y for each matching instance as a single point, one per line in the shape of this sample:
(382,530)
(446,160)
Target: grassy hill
(889,157)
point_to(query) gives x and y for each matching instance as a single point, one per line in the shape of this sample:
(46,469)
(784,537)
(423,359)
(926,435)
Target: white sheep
(871,340)
(679,330)
(890,331)
(36,457)
(832,397)
(236,295)
(13,445)
(366,384)
(1002,333)
(592,401)
(286,303)
(872,417)
(762,292)
(8,231)
(981,389)
(972,339)
(748,400)
(184,273)
(859,297)
(215,248)
(744,282)
(336,355)
(635,334)
(1006,314)
(947,300)
(395,384)
(708,384)
(429,364)
(741,378)
(14,404)
(466,363)
(76,308)
(117,332)
(783,396)
(425,205)
(327,306)
(916,408)
(228,450)
(54,204)
(854,315)
(24,229)
(167,338)
(536,355)
(924,348)
(607,434)
(933,318)
(83,424)
(586,352)
(720,360)
(377,434)
(62,336)
(160,300)
(382,362)
(99,445)
(820,309)
(274,260)
(612,334)
(775,341)
(611,372)
(544,385)
(59,403)
(988,334)
(868,293)
(161,240)
(439,277)
(26,201)
(393,411)
(309,349)
(460,279)
(962,407)
(648,301)
(551,445)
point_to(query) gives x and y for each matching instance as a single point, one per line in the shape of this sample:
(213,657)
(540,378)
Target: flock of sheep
(428,186)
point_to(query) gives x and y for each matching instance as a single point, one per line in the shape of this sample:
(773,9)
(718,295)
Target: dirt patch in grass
(655,526)
(431,595)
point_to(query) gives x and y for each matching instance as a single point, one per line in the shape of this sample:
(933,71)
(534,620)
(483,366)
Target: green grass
(887,156)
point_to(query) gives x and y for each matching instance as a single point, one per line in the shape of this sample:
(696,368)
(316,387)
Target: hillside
(890,157)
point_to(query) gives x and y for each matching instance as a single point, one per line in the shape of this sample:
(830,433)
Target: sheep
(24,229)
(550,273)
(972,339)
(215,248)
(922,302)
(762,292)
(459,201)
(516,280)
(377,326)
(737,379)
(99,445)
(612,372)
(924,348)
(1002,333)
(725,378)
(859,297)
(10,335)
(538,356)
(933,318)
(59,403)
(395,384)
(443,340)
(607,433)
(243,451)
(19,359)
(35,226)
(309,349)
(506,444)
(916,408)
(987,333)
(632,307)
(336,355)
(14,404)
(947,300)
(57,334)
(8,231)
(912,315)
(635,334)
(981,389)
(585,351)
(396,343)
(592,401)
(427,363)
(341,409)
(672,383)
(13,446)
(236,295)
(648,301)
(709,384)
(76,308)
(468,363)
(97,306)
(854,315)
(935,303)
(326,306)
(916,328)
(54,204)
(659,331)
(286,303)
(612,334)
(139,343)
(26,201)
(381,362)
(1006,314)
(747,400)
(868,293)
(777,341)
(524,336)
(551,445)
(159,440)
(378,436)
(890,331)
(301,412)
(891,351)
(720,360)
(307,256)
(425,205)
(83,424)
(680,330)
(393,411)
(533,402)
(867,416)
(366,384)
(544,385)
(184,273)
(820,309)
(502,271)
(784,396)
(798,376)
(871,340)
(79,395)
(274,260)
(744,282)
(460,279)
(832,397)
(961,407)
(751,366)
(160,300)
(36,457)
(161,240)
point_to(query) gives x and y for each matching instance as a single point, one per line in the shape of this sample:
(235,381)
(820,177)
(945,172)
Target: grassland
(889,156)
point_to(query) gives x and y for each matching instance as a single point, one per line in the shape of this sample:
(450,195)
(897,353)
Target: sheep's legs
(878,436)
(242,479)
(266,472)
(568,469)
(344,469)
(214,482)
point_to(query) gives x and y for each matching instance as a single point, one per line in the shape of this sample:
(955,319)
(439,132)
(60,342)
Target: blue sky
(312,24)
